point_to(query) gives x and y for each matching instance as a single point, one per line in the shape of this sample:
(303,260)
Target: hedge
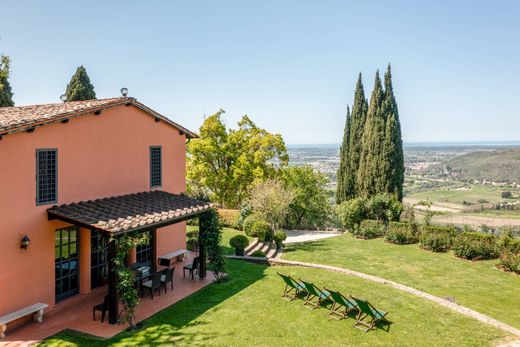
(229,218)
(437,238)
(370,229)
(402,233)
(475,245)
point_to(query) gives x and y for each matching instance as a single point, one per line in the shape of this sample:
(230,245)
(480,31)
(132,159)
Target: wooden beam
(113,298)
(65,121)
(97,112)
(202,251)
(154,249)
(157,119)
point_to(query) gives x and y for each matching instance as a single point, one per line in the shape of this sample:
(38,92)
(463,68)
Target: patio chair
(103,308)
(341,305)
(315,296)
(193,268)
(292,287)
(167,277)
(367,310)
(152,285)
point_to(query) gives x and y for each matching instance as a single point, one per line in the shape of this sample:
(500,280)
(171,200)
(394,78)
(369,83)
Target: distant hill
(495,166)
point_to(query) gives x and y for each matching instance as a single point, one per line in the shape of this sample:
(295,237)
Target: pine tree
(344,160)
(393,157)
(6,94)
(79,87)
(369,177)
(357,127)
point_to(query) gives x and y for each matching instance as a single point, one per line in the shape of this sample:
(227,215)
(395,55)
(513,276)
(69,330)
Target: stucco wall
(98,156)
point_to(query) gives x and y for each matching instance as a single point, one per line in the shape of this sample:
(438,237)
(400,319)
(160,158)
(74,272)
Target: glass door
(98,259)
(66,262)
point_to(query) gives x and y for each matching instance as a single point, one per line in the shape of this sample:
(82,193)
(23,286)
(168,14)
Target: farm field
(459,195)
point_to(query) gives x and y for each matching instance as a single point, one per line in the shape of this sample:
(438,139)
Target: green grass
(227,233)
(478,285)
(473,195)
(248,311)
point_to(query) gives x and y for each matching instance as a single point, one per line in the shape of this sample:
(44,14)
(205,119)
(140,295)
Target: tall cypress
(393,157)
(357,127)
(6,94)
(369,177)
(79,87)
(341,177)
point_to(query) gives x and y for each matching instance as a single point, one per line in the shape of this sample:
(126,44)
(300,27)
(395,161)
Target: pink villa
(73,177)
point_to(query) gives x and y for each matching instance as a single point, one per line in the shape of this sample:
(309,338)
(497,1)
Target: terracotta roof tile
(129,212)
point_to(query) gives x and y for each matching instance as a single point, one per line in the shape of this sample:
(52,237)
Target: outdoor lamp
(124,91)
(25,242)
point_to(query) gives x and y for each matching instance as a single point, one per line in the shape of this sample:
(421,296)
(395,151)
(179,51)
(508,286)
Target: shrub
(192,234)
(352,212)
(510,262)
(370,229)
(437,238)
(279,237)
(507,244)
(193,221)
(245,211)
(229,218)
(248,224)
(475,245)
(192,244)
(258,253)
(384,207)
(402,233)
(239,243)
(262,230)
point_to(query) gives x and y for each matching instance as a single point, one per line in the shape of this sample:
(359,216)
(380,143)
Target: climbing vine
(210,235)
(126,278)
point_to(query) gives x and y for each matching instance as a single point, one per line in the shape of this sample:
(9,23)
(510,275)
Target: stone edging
(440,301)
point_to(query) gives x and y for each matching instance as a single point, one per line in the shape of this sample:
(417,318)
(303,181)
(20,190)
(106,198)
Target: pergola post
(113,299)
(202,248)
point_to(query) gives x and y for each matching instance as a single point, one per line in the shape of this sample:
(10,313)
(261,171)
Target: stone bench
(36,310)
(179,254)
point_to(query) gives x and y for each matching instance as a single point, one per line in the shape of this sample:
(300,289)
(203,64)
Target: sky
(291,66)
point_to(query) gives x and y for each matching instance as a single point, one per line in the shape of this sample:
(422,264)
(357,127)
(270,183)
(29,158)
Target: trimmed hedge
(278,238)
(370,229)
(258,253)
(239,243)
(402,233)
(475,245)
(437,238)
(229,218)
(247,226)
(262,230)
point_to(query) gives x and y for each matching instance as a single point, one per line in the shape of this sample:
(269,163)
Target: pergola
(139,212)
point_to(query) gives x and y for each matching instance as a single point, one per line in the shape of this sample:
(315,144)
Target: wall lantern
(25,242)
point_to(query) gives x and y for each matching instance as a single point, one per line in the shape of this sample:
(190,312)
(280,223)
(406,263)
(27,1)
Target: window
(46,178)
(98,259)
(144,251)
(66,262)
(155,167)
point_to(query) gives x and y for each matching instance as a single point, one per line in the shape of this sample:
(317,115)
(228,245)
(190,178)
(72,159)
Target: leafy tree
(6,94)
(271,200)
(79,87)
(393,157)
(310,206)
(225,164)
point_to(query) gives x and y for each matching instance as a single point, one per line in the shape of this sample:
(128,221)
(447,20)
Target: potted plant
(239,243)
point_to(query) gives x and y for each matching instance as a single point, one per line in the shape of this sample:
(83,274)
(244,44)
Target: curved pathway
(443,302)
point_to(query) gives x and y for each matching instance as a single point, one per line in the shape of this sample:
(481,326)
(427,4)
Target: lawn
(478,285)
(248,311)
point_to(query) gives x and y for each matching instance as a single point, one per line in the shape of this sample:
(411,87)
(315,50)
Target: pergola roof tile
(129,212)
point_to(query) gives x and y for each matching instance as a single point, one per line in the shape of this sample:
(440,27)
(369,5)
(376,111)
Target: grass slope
(248,311)
(477,285)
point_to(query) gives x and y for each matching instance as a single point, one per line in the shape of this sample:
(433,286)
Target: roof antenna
(124,91)
(63,97)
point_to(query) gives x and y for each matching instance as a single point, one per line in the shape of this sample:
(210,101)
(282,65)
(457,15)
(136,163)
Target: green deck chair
(341,305)
(292,287)
(315,296)
(367,310)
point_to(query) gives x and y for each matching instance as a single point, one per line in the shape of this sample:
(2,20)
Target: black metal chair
(103,308)
(152,285)
(167,277)
(193,268)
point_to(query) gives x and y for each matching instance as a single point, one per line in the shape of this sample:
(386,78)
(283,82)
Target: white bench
(36,310)
(178,253)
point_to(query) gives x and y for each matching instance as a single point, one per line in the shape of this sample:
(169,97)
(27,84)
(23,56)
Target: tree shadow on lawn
(308,246)
(169,325)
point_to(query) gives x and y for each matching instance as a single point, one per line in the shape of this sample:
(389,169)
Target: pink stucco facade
(98,156)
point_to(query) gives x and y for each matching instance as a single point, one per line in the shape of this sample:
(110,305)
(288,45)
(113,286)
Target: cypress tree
(6,94)
(393,156)
(357,127)
(369,177)
(79,87)
(341,177)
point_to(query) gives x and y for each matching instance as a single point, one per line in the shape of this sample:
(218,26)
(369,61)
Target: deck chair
(315,296)
(341,305)
(292,287)
(368,316)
